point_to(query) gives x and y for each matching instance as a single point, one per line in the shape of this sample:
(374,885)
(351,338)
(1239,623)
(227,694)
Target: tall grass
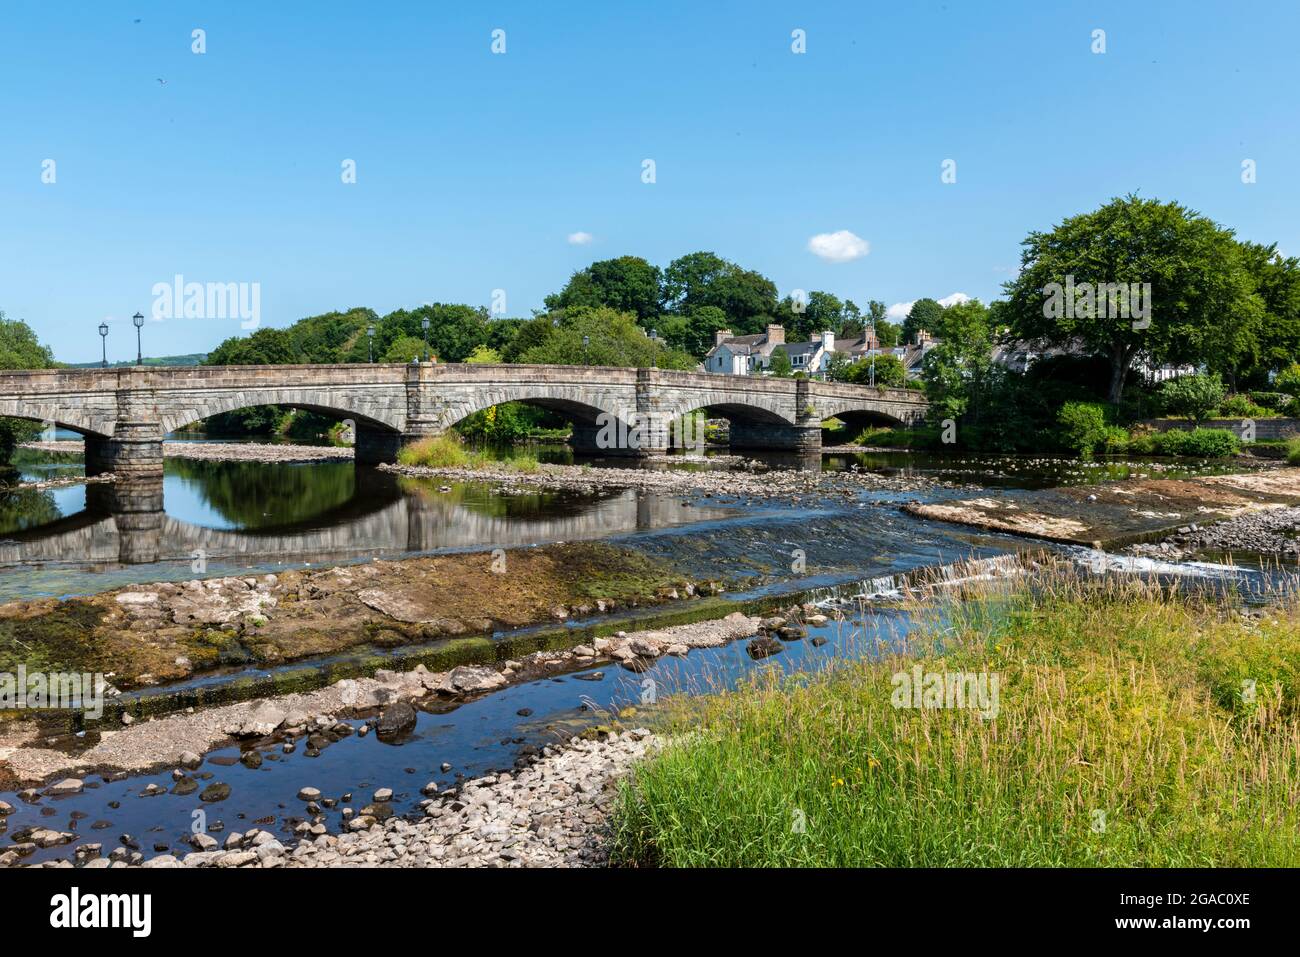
(436,452)
(1122,738)
(448,451)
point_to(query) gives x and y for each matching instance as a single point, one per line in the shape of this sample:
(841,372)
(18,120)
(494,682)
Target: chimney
(776,334)
(828,340)
(719,335)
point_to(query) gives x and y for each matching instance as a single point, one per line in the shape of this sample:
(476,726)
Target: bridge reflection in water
(126,524)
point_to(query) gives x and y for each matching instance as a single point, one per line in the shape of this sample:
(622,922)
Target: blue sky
(474,169)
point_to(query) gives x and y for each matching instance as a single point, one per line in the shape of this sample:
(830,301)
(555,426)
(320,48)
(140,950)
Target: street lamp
(872,374)
(586,341)
(139,352)
(654,338)
(370,340)
(103,338)
(424,325)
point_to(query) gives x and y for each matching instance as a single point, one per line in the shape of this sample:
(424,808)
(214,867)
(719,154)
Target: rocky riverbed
(1274,531)
(1117,512)
(220,451)
(143,635)
(551,812)
(755,481)
(548,810)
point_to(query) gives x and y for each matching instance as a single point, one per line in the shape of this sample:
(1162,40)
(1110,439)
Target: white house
(747,355)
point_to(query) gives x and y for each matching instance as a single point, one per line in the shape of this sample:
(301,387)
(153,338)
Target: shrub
(1198,443)
(1242,407)
(1083,427)
(436,452)
(1195,396)
(1288,381)
(1274,401)
(1293,451)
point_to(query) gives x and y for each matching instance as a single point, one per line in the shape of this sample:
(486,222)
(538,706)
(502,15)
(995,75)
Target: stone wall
(1266,430)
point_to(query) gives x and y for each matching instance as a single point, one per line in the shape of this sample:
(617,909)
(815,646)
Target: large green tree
(1201,306)
(627,284)
(925,315)
(1276,280)
(611,339)
(747,298)
(19,349)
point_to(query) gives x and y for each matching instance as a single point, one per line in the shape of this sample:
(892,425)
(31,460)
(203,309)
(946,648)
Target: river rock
(471,679)
(263,720)
(398,718)
(189,760)
(68,786)
(763,646)
(215,792)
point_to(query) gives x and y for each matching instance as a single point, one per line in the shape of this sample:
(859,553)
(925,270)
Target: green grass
(448,451)
(1293,451)
(1118,700)
(437,452)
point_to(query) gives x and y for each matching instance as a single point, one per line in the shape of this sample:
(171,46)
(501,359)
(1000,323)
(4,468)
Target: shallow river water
(245,516)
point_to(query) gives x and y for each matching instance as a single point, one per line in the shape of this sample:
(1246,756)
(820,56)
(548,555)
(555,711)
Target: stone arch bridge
(124,413)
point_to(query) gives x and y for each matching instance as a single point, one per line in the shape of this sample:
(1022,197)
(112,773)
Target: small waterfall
(922,581)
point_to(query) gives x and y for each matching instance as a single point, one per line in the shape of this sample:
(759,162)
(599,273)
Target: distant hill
(193,359)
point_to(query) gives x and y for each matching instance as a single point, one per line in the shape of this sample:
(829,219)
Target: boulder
(471,679)
(398,718)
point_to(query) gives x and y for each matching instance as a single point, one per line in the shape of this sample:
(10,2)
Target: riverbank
(28,758)
(218,451)
(144,635)
(1119,513)
(1056,722)
(674,475)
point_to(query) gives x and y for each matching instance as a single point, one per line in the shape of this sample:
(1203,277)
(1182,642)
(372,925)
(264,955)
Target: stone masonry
(124,413)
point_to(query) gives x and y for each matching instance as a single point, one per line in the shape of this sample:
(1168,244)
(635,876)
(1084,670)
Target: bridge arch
(580,403)
(382,420)
(59,414)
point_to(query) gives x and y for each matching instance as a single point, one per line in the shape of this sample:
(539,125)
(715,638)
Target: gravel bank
(222,451)
(1274,531)
(161,742)
(756,481)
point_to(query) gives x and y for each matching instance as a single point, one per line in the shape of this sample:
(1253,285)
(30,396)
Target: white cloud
(580,239)
(838,247)
(899,310)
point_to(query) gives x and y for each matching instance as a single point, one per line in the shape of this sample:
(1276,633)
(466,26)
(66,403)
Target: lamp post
(586,341)
(424,326)
(872,374)
(103,338)
(654,339)
(138,320)
(370,341)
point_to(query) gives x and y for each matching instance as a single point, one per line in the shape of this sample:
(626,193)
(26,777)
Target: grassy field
(1126,734)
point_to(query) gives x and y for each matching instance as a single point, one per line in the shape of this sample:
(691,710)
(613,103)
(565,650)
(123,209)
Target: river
(245,516)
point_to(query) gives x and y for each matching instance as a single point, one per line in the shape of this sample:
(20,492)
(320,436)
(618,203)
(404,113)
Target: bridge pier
(137,510)
(133,453)
(768,437)
(374,446)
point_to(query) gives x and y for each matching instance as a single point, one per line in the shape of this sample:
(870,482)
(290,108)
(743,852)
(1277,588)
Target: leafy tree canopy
(1201,304)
